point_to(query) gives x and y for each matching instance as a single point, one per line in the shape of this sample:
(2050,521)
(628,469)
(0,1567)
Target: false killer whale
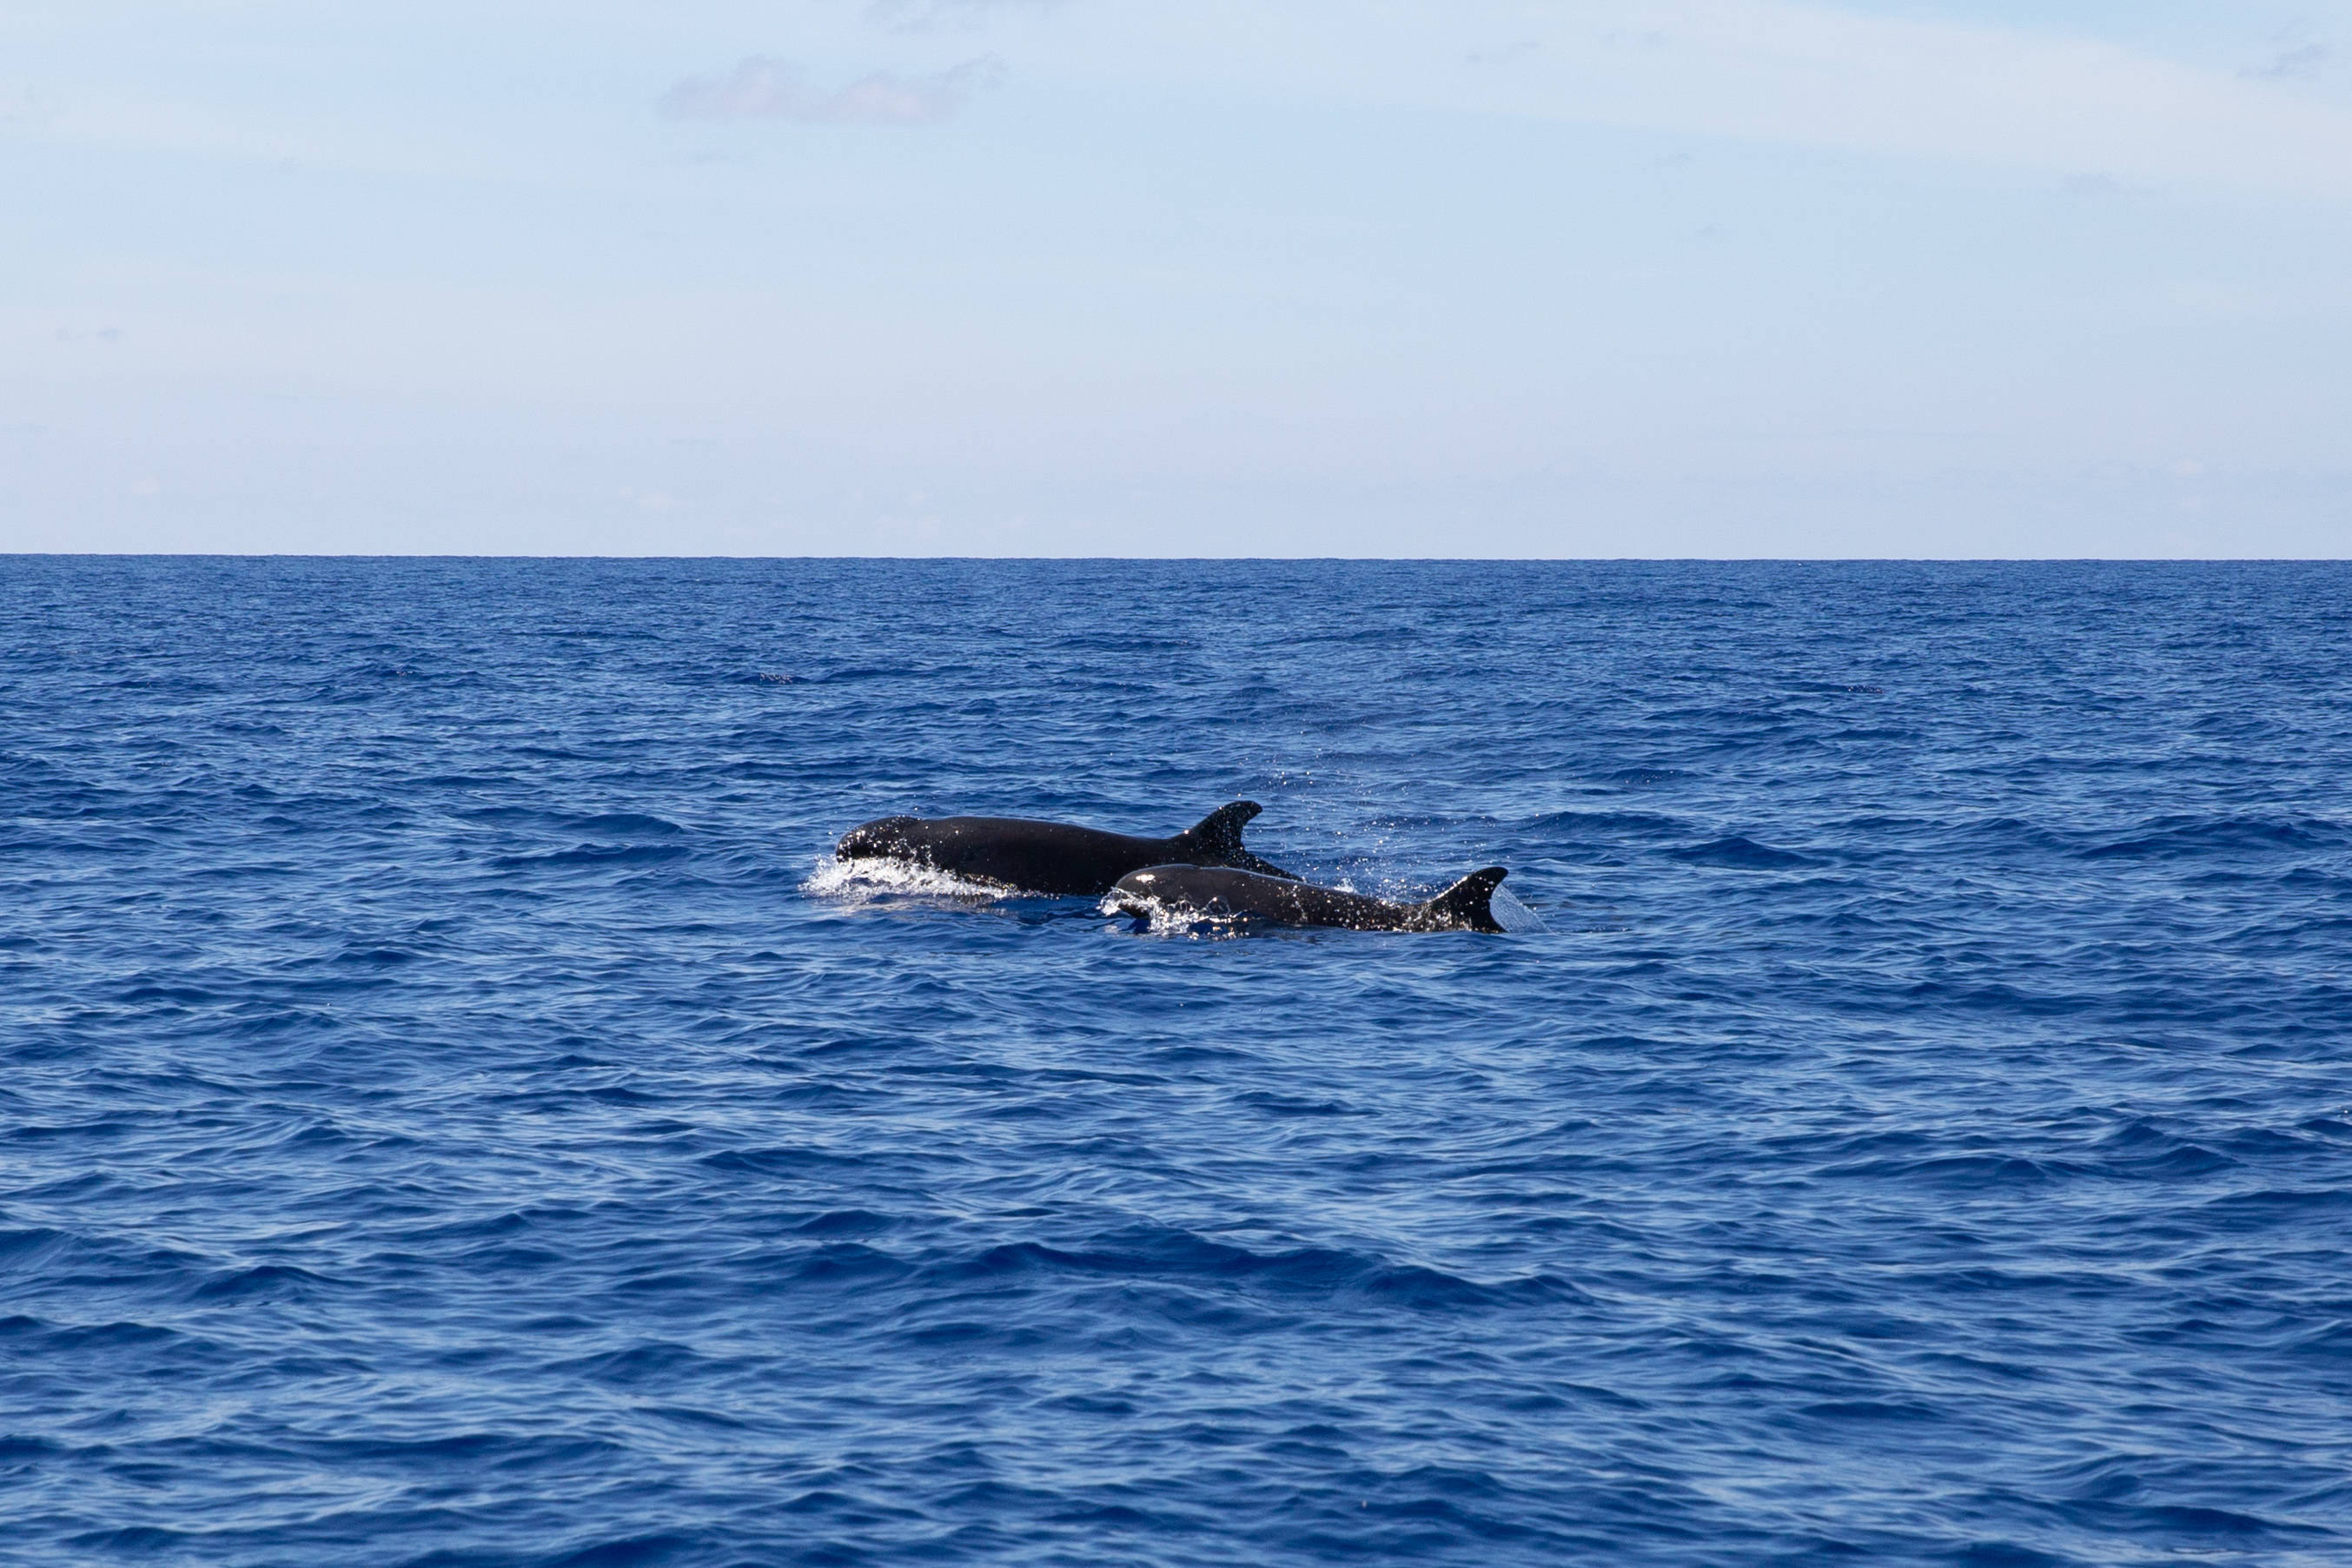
(1051,857)
(1205,892)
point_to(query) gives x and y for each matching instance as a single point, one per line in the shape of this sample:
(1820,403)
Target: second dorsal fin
(1216,840)
(1469,904)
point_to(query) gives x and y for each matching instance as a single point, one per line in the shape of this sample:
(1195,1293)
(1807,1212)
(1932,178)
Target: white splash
(1162,920)
(1513,917)
(868,879)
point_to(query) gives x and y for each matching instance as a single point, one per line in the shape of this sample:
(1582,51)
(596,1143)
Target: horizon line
(1195,560)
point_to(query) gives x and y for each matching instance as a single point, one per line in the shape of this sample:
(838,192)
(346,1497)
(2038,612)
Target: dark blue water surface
(448,1119)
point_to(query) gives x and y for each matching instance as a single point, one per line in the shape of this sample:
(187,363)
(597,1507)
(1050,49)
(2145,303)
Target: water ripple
(457,1113)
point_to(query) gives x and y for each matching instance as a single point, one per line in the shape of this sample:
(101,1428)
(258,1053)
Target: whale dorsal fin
(1221,830)
(1216,840)
(1468,903)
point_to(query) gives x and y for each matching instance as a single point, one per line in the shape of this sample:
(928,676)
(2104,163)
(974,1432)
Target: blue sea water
(451,1114)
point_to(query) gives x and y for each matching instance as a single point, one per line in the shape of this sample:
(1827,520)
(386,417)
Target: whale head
(1137,895)
(886,839)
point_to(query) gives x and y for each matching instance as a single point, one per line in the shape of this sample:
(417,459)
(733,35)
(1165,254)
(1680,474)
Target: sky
(1178,278)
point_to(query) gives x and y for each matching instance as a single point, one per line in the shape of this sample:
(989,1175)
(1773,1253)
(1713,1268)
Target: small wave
(626,823)
(593,854)
(25,1248)
(651,1363)
(2165,837)
(1182,1256)
(375,957)
(1965,1173)
(262,1279)
(847,1222)
(1579,824)
(1741,854)
(1642,778)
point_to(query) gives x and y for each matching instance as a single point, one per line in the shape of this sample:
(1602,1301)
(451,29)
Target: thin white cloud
(761,87)
(2296,60)
(1792,71)
(1808,73)
(2293,53)
(25,107)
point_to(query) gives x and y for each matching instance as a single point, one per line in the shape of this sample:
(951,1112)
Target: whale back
(1057,859)
(1223,892)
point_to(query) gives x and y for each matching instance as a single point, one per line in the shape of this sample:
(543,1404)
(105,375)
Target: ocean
(455,1113)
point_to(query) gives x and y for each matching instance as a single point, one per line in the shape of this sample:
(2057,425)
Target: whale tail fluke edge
(1216,840)
(1469,904)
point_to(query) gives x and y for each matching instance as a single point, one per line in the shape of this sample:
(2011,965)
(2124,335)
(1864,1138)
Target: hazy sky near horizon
(1456,277)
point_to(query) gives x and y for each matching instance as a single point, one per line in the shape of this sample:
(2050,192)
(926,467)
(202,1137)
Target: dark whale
(1051,857)
(1215,893)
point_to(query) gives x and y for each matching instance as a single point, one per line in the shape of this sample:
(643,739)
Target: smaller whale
(1051,857)
(1206,893)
